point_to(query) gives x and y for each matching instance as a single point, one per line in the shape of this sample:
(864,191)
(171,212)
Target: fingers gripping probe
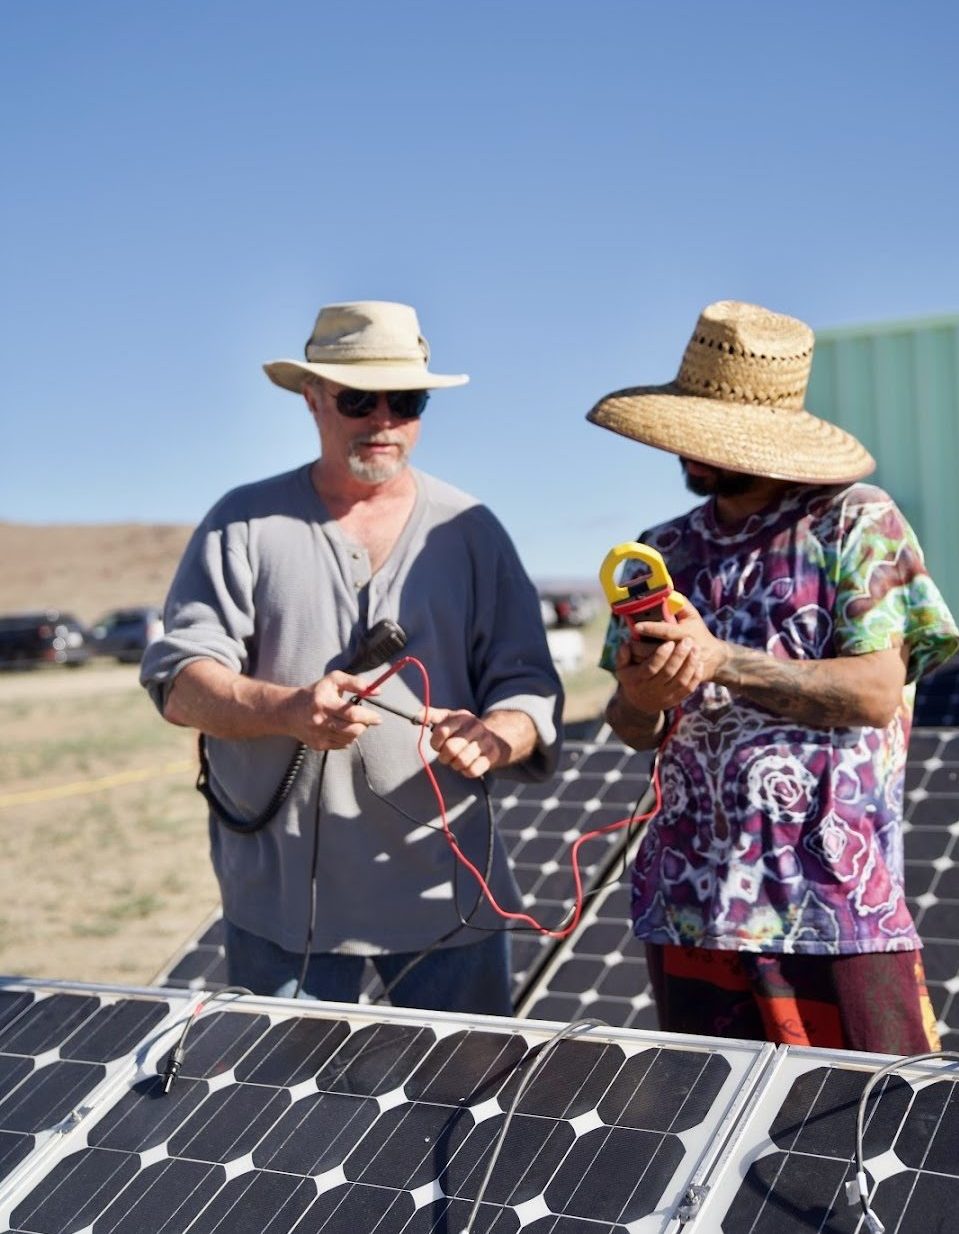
(385,638)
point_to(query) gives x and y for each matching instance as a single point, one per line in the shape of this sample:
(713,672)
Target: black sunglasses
(406,404)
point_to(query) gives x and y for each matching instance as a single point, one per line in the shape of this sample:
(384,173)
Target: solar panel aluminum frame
(748,1063)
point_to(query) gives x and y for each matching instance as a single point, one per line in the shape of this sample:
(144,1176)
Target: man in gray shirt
(276,592)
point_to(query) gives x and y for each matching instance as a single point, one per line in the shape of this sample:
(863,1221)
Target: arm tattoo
(808,691)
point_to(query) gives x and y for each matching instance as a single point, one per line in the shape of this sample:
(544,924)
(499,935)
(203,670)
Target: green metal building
(896,387)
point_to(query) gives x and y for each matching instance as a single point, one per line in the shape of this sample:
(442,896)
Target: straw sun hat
(737,402)
(367,345)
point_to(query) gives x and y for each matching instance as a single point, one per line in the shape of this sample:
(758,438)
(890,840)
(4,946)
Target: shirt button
(355,556)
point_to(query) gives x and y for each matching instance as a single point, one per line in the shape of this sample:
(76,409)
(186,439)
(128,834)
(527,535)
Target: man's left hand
(473,746)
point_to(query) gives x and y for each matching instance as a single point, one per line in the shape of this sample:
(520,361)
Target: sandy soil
(105,871)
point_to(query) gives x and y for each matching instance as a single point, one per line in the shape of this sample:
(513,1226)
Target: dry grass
(105,882)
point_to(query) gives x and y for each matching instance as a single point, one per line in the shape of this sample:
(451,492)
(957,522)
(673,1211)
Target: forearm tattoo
(810,692)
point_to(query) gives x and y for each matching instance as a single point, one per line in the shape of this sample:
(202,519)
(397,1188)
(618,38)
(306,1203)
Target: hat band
(404,361)
(357,353)
(726,392)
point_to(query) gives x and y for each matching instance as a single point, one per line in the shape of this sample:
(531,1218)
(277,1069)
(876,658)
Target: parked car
(125,633)
(48,636)
(567,608)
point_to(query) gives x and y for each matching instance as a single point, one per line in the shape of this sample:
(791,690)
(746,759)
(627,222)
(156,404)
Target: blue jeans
(474,978)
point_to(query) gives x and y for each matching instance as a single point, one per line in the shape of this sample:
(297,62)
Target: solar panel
(932,866)
(321,1118)
(601,969)
(58,1047)
(937,698)
(794,1154)
(596,783)
(200,964)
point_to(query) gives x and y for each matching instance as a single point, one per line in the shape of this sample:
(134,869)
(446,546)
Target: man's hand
(659,667)
(704,650)
(473,746)
(654,676)
(222,703)
(322,716)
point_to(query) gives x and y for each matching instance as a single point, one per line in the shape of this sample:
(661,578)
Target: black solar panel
(600,970)
(937,698)
(795,1152)
(596,783)
(320,1119)
(287,1118)
(932,866)
(56,1048)
(200,964)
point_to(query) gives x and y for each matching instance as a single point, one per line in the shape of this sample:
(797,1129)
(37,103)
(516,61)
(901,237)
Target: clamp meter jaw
(650,596)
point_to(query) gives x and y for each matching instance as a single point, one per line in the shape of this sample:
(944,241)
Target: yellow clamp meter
(649,596)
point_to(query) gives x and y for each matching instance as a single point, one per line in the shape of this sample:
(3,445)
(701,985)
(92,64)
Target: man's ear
(312,395)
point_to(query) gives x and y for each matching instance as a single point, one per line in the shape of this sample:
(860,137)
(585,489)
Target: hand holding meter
(649,596)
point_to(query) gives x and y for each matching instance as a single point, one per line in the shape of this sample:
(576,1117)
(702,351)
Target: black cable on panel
(311,929)
(175,1058)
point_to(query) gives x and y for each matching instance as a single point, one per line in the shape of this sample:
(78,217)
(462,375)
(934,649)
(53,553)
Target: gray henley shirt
(270,587)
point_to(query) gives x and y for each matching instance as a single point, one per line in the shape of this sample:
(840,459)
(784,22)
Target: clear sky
(557,187)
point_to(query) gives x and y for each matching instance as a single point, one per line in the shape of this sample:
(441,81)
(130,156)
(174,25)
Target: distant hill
(87,568)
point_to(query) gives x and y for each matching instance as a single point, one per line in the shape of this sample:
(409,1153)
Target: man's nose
(382,410)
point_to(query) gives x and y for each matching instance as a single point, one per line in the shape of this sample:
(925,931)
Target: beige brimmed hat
(368,345)
(737,402)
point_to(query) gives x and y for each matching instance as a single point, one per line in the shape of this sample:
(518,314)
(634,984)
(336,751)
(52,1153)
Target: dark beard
(725,484)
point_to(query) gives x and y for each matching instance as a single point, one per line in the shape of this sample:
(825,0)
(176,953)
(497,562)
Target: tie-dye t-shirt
(773,836)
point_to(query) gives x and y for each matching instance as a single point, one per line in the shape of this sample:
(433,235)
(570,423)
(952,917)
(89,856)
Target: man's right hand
(216,700)
(322,716)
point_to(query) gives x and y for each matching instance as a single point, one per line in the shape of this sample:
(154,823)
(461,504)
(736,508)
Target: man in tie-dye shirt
(769,887)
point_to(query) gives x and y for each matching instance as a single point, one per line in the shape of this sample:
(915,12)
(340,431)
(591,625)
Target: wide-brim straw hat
(737,403)
(367,345)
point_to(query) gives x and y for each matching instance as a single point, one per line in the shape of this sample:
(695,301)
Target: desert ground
(105,872)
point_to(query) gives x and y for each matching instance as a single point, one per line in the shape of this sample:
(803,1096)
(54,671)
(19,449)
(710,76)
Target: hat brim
(779,443)
(291,374)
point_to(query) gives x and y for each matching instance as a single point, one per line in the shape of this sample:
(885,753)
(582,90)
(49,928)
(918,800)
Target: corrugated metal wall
(896,386)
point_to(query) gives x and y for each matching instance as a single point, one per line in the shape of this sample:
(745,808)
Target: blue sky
(558,188)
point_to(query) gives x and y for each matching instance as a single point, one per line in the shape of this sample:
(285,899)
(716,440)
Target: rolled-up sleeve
(512,665)
(208,613)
